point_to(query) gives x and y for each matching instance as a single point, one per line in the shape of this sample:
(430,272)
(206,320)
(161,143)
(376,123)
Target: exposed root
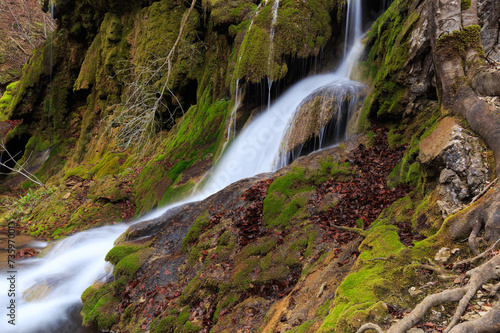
(361,232)
(495,289)
(484,191)
(442,274)
(477,278)
(478,225)
(489,323)
(476,258)
(418,313)
(370,326)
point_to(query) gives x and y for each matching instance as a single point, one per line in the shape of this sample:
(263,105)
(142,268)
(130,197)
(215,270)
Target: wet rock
(457,156)
(322,118)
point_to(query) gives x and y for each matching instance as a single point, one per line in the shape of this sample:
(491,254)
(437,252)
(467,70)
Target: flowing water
(47,288)
(354,24)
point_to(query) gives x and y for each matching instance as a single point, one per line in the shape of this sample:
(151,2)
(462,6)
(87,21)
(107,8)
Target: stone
(457,155)
(433,146)
(73,181)
(414,292)
(443,255)
(415,330)
(487,82)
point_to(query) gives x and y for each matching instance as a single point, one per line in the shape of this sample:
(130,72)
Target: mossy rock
(98,308)
(362,292)
(108,189)
(131,263)
(117,253)
(301,30)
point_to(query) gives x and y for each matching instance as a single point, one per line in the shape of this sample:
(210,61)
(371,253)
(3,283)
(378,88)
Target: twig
(18,45)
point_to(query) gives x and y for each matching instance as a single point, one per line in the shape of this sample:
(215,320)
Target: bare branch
(19,169)
(139,117)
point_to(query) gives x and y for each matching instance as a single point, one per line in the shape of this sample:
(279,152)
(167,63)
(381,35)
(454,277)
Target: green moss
(6,99)
(360,295)
(131,263)
(117,253)
(388,45)
(303,328)
(166,324)
(286,196)
(302,29)
(465,4)
(99,304)
(458,42)
(197,289)
(190,328)
(196,230)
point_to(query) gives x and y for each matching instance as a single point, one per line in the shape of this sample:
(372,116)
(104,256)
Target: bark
(490,323)
(458,96)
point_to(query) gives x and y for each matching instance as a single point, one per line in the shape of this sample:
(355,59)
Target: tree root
(370,326)
(489,323)
(473,235)
(495,289)
(442,274)
(361,232)
(476,258)
(477,278)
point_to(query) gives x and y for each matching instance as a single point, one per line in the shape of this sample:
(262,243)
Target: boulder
(323,118)
(457,157)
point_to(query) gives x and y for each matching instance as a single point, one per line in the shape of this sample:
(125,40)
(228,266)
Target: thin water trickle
(53,284)
(231,128)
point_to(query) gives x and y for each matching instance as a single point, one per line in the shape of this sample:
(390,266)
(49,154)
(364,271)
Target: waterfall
(55,282)
(354,27)
(231,127)
(231,130)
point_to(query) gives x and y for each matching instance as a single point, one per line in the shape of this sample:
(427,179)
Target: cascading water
(48,288)
(231,127)
(354,24)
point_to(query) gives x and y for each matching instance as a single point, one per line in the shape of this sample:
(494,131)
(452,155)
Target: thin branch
(19,168)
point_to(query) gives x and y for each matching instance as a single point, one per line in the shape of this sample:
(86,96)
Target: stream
(48,289)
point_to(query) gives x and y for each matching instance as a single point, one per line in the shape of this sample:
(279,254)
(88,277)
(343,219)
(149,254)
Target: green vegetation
(361,292)
(458,42)
(6,99)
(388,44)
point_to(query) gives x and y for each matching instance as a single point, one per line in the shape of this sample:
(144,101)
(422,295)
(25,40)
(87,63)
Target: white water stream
(76,262)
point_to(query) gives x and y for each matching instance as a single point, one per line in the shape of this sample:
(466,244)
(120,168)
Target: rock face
(224,263)
(489,16)
(459,158)
(322,119)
